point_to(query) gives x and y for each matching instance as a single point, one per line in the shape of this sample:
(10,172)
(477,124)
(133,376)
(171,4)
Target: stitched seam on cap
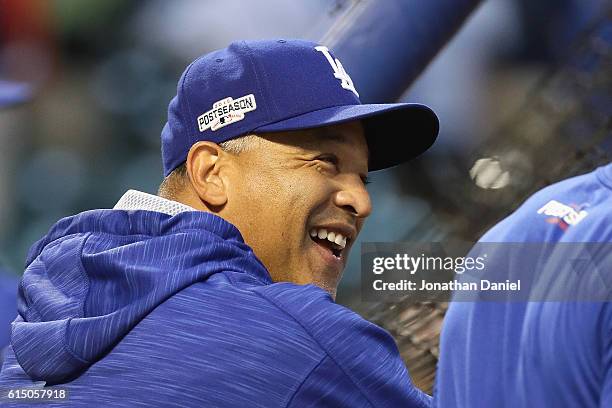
(251,58)
(187,71)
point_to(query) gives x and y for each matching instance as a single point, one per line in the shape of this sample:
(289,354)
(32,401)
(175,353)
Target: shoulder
(568,208)
(231,316)
(365,353)
(326,321)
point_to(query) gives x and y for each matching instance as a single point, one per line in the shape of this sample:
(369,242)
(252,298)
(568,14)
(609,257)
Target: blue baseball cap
(13,93)
(285,85)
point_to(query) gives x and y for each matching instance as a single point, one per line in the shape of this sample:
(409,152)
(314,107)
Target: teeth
(334,237)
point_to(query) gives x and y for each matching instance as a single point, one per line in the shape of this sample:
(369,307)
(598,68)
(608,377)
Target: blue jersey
(535,354)
(142,308)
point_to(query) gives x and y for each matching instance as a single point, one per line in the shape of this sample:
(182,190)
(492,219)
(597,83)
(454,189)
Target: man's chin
(329,287)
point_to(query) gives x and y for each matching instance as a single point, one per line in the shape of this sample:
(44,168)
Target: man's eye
(329,158)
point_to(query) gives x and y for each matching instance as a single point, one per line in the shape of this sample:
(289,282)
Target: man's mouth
(333,241)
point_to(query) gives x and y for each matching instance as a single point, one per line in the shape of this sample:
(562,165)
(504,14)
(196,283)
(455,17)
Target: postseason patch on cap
(225,112)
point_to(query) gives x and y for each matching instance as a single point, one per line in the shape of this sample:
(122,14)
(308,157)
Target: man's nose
(354,198)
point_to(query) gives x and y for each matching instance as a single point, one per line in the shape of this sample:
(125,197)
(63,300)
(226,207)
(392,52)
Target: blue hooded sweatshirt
(536,354)
(164,308)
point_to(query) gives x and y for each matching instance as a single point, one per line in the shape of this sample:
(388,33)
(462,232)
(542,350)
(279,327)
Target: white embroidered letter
(339,72)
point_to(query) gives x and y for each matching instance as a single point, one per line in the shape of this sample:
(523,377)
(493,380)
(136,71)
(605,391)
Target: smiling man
(298,198)
(219,291)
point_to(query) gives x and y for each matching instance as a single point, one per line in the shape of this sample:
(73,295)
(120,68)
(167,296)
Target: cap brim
(14,93)
(395,133)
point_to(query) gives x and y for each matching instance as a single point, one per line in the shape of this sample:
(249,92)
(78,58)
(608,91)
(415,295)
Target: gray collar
(137,200)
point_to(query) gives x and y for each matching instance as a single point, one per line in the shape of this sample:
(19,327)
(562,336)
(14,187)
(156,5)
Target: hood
(95,275)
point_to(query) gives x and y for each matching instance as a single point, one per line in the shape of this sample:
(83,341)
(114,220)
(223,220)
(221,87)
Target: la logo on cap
(339,72)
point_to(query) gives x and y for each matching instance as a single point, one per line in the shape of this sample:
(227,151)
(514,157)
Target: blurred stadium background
(523,92)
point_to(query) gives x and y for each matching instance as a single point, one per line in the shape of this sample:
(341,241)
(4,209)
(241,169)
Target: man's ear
(203,167)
